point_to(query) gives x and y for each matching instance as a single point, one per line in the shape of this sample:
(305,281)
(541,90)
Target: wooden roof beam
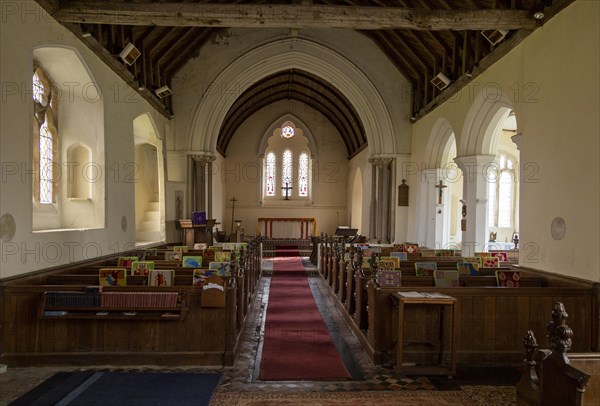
(290,16)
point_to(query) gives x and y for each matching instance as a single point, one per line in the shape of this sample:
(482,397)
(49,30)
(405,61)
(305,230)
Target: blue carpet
(123,388)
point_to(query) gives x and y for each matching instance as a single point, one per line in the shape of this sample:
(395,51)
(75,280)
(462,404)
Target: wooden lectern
(193,233)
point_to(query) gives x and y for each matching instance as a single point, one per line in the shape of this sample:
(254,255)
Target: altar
(287,227)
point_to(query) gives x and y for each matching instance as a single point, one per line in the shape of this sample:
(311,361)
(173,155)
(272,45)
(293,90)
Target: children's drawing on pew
(467,268)
(161,277)
(213,292)
(445,279)
(112,277)
(125,262)
(425,268)
(402,256)
(173,256)
(508,279)
(192,261)
(474,260)
(221,268)
(411,247)
(141,267)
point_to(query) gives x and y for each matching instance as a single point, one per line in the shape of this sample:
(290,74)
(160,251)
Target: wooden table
(433,299)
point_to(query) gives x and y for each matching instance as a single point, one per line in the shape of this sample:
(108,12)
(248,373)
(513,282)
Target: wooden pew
(553,377)
(193,335)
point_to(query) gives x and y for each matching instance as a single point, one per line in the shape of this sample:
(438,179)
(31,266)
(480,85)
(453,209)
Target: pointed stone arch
(481,128)
(440,145)
(307,55)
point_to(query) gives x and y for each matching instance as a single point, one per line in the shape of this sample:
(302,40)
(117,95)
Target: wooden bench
(194,334)
(553,377)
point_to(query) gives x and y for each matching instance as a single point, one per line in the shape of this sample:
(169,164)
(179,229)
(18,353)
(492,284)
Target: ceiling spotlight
(140,88)
(86,35)
(539,15)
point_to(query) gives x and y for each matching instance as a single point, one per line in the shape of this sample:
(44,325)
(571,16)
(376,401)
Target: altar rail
(491,318)
(287,227)
(189,334)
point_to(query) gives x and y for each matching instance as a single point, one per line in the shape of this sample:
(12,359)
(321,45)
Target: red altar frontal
(287,227)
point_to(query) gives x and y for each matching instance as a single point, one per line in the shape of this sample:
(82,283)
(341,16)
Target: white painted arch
(279,55)
(440,145)
(483,123)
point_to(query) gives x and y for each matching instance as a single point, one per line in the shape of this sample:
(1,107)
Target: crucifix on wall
(441,187)
(286,190)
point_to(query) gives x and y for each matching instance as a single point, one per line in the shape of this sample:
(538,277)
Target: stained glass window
(287,131)
(270,175)
(286,168)
(303,175)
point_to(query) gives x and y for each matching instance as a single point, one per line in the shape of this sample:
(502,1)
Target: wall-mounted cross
(441,187)
(287,189)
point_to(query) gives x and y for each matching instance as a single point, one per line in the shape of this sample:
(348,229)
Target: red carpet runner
(297,344)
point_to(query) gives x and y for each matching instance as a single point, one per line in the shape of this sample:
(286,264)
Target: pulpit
(193,233)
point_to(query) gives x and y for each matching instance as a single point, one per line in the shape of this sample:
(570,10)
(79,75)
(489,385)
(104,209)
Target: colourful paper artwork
(192,262)
(427,253)
(221,256)
(113,277)
(467,268)
(474,260)
(425,268)
(446,279)
(402,256)
(181,248)
(221,268)
(173,256)
(161,277)
(125,262)
(141,267)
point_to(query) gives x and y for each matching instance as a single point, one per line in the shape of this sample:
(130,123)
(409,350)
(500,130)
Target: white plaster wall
(361,160)
(19,35)
(552,81)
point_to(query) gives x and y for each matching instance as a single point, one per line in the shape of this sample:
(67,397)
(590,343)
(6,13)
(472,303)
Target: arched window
(287,147)
(45,131)
(286,168)
(303,175)
(501,193)
(270,175)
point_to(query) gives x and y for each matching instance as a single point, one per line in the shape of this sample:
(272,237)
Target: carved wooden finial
(559,334)
(531,347)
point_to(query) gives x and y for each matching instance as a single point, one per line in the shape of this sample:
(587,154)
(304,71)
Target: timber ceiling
(420,37)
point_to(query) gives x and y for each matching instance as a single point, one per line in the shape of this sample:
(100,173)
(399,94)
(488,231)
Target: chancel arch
(304,55)
(72,148)
(149,181)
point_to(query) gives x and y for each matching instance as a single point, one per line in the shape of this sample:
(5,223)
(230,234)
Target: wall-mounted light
(130,54)
(494,36)
(163,91)
(440,81)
